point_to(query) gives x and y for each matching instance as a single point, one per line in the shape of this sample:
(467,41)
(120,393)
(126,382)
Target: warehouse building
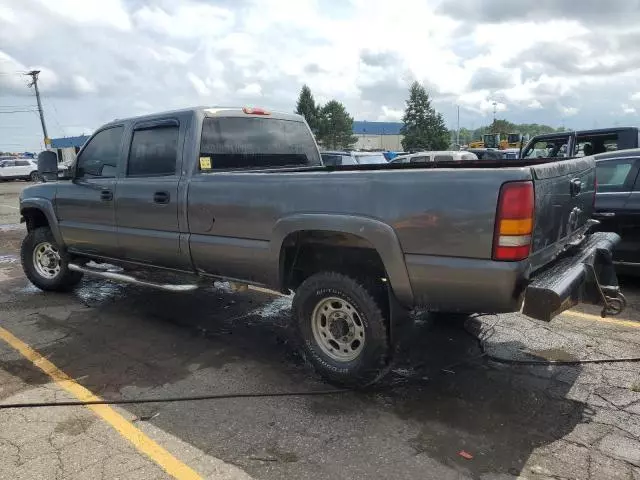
(378,135)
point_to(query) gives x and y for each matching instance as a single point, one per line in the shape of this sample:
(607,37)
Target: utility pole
(34,83)
(458,129)
(495,104)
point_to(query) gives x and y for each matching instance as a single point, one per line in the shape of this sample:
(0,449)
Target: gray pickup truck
(242,195)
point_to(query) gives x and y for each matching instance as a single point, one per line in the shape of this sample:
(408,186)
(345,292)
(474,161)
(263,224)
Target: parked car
(353,158)
(19,169)
(618,204)
(241,194)
(441,156)
(487,153)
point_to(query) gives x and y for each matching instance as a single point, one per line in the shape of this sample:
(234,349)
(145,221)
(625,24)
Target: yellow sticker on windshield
(205,163)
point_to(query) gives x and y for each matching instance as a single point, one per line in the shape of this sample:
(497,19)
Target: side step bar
(120,277)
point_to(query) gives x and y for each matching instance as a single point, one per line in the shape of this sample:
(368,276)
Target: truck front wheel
(44,264)
(341,329)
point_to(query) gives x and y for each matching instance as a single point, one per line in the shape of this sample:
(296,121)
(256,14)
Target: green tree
(306,106)
(335,127)
(423,128)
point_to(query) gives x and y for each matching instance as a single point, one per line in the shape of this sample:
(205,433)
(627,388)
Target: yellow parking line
(615,321)
(140,441)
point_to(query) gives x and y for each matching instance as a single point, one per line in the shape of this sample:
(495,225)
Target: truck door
(147,195)
(617,207)
(85,206)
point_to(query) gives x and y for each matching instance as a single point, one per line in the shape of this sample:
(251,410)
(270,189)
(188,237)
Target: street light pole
(458,129)
(34,83)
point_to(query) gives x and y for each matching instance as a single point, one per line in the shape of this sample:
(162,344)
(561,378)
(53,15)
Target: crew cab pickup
(581,143)
(242,194)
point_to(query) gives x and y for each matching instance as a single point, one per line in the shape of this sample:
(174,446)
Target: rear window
(237,142)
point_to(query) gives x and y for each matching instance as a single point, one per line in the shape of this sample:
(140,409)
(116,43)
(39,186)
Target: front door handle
(106,195)
(161,197)
(604,214)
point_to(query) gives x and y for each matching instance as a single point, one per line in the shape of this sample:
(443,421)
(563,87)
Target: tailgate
(564,194)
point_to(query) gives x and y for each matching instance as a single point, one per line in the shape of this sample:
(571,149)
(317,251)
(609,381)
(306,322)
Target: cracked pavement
(442,398)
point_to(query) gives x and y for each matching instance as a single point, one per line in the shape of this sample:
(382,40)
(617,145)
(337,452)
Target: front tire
(341,329)
(44,264)
(34,177)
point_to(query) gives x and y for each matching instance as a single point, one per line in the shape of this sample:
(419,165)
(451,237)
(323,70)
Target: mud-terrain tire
(341,329)
(44,264)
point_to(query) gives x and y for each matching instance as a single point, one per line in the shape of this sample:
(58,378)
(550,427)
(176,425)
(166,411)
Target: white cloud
(199,85)
(635,97)
(568,111)
(189,19)
(82,85)
(535,105)
(390,115)
(110,13)
(627,109)
(251,90)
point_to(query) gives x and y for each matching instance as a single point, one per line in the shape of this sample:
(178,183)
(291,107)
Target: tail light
(514,222)
(255,111)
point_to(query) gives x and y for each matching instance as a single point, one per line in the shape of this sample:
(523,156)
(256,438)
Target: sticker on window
(205,163)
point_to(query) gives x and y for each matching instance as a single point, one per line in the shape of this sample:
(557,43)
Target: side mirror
(48,166)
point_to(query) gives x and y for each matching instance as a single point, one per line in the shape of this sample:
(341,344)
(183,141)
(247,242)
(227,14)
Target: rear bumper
(582,275)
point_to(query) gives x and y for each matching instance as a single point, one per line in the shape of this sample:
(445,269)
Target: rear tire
(44,264)
(34,177)
(341,329)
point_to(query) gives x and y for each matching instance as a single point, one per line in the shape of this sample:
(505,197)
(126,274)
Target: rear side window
(153,152)
(22,163)
(443,158)
(615,175)
(237,142)
(100,156)
(331,160)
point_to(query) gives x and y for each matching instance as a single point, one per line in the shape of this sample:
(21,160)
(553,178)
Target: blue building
(378,135)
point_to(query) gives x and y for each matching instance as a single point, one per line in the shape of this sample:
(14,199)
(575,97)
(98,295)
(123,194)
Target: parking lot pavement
(446,411)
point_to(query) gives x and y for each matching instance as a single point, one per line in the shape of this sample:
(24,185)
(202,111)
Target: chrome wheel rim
(46,260)
(338,329)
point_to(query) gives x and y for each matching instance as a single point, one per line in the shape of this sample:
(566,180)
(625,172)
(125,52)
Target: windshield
(514,138)
(367,158)
(490,141)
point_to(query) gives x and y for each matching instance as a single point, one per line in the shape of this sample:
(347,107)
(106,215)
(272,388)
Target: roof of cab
(632,152)
(212,111)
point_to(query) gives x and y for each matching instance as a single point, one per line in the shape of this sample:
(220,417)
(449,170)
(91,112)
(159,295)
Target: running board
(120,277)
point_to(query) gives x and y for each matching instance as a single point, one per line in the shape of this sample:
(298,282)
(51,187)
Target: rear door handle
(604,214)
(161,197)
(106,195)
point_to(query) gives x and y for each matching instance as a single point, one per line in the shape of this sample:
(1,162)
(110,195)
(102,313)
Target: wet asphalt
(445,412)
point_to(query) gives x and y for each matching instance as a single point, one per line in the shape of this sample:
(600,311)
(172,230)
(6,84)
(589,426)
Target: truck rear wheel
(341,329)
(44,264)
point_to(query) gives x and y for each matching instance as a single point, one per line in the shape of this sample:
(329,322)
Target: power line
(19,111)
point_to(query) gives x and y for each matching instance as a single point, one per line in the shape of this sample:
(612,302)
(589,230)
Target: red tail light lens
(514,222)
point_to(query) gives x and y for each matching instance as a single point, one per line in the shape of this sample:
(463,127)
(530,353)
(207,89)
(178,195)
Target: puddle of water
(95,292)
(554,354)
(8,259)
(274,308)
(28,289)
(223,287)
(11,227)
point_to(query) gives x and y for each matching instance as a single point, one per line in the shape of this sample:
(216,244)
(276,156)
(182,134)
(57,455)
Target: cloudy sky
(548,61)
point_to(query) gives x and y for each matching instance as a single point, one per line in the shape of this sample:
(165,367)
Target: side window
(331,160)
(22,163)
(100,156)
(615,175)
(420,159)
(153,152)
